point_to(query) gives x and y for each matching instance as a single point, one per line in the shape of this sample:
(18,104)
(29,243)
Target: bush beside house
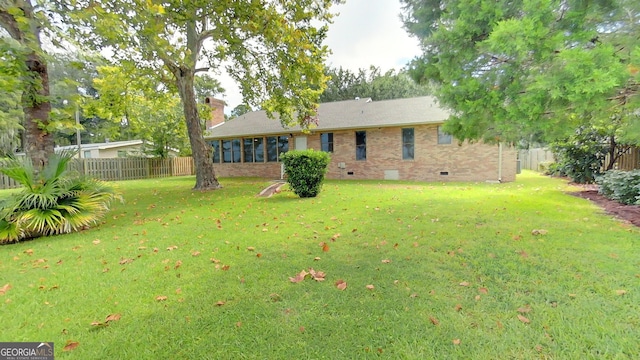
(306,170)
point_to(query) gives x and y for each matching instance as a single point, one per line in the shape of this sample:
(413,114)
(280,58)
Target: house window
(253,150)
(216,151)
(361,145)
(272,148)
(283,145)
(326,142)
(258,149)
(236,149)
(276,146)
(248,150)
(231,151)
(87,154)
(122,153)
(408,144)
(443,137)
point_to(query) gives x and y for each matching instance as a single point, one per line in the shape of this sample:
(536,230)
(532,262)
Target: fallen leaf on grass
(464,283)
(258,255)
(524,310)
(458,307)
(109,318)
(335,237)
(298,278)
(70,345)
(317,258)
(483,290)
(161,298)
(434,321)
(317,275)
(539,232)
(225,267)
(195,253)
(325,246)
(341,284)
(523,254)
(220,303)
(5,288)
(170,248)
(96,242)
(28,252)
(621,292)
(126,261)
(414,295)
(456,341)
(251,248)
(178,264)
(523,319)
(386,261)
(370,287)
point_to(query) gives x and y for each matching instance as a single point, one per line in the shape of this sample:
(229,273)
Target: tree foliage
(539,68)
(134,105)
(346,85)
(273,50)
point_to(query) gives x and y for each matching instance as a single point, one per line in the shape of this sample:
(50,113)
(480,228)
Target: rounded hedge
(305,171)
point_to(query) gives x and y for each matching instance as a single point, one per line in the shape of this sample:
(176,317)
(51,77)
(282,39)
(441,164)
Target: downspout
(500,162)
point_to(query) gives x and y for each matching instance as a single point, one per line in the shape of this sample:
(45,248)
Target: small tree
(306,170)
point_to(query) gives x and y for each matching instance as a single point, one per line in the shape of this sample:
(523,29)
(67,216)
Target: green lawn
(455,269)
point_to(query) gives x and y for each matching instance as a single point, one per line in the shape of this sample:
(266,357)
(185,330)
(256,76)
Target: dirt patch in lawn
(630,213)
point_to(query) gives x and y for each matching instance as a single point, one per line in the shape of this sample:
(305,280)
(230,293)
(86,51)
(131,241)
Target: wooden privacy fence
(629,160)
(124,169)
(532,158)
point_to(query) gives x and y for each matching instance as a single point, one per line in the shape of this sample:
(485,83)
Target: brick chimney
(217,111)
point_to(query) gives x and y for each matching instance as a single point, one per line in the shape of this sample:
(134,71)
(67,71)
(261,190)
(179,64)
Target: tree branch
(9,23)
(204,69)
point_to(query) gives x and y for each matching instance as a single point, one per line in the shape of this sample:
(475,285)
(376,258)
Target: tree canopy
(344,84)
(530,68)
(272,49)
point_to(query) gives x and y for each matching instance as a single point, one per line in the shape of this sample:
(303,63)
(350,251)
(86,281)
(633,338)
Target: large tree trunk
(38,144)
(37,140)
(202,153)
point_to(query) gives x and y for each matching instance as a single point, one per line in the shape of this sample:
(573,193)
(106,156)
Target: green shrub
(581,155)
(305,170)
(51,201)
(621,186)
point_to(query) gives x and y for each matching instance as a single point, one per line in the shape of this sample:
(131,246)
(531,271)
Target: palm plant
(52,201)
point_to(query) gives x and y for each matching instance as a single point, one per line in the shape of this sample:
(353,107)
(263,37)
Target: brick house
(393,139)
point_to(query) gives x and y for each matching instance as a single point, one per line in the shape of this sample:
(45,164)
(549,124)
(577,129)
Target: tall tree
(272,48)
(542,68)
(23,23)
(347,85)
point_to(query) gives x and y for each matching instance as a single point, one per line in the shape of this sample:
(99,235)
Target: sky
(365,33)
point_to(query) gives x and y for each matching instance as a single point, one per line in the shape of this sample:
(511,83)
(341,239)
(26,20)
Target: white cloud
(365,33)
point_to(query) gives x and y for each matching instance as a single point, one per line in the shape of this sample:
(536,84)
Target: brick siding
(466,162)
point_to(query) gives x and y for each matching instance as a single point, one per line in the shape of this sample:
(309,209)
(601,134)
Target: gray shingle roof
(341,115)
